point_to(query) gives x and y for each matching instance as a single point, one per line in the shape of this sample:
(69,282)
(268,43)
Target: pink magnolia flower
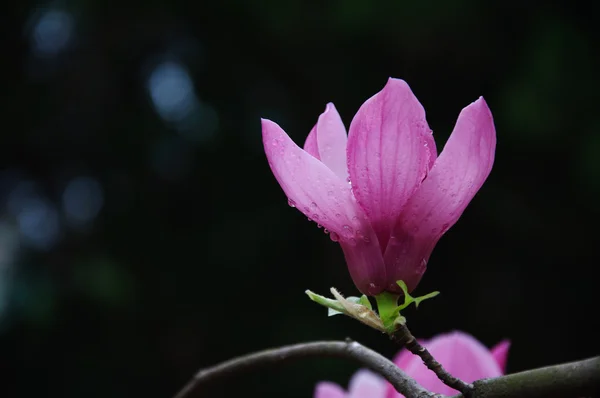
(460,354)
(382,191)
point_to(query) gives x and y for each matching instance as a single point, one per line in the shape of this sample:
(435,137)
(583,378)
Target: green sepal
(334,306)
(364,300)
(408,299)
(387,306)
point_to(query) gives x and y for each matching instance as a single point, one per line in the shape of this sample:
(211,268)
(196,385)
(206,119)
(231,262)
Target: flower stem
(404,337)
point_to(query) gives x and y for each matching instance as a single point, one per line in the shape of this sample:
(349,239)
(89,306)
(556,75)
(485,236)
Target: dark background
(143,236)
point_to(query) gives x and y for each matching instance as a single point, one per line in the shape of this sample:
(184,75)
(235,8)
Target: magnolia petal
(500,353)
(387,155)
(311,186)
(432,148)
(366,384)
(457,175)
(310,145)
(326,389)
(365,262)
(332,139)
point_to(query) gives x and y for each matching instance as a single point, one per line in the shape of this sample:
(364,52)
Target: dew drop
(338,215)
(313,204)
(334,237)
(291,203)
(348,228)
(319,225)
(275,142)
(373,289)
(352,242)
(445,227)
(325,230)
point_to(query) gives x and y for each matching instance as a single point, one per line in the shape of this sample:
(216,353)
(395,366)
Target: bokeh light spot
(52,32)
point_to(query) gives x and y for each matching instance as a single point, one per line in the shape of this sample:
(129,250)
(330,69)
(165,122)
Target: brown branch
(573,379)
(404,337)
(336,349)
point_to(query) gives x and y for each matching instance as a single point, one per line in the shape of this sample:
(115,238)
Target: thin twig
(568,380)
(404,337)
(337,349)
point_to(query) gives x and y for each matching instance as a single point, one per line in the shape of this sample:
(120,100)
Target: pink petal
(327,389)
(311,186)
(365,262)
(366,384)
(310,145)
(331,139)
(430,144)
(500,353)
(461,355)
(457,175)
(387,156)
(327,199)
(327,141)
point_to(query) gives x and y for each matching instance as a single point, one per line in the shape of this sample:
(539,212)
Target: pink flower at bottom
(461,354)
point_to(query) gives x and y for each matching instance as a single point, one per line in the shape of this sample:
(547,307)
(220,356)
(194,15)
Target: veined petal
(332,139)
(366,384)
(327,141)
(387,155)
(457,175)
(311,186)
(365,261)
(500,353)
(310,145)
(326,389)
(432,148)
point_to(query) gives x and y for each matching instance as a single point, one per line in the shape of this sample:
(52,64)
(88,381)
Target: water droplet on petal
(422,266)
(325,230)
(352,242)
(275,142)
(334,237)
(373,289)
(313,204)
(319,225)
(348,228)
(362,236)
(291,203)
(338,215)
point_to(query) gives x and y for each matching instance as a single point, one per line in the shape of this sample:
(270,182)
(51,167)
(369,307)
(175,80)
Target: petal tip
(265,122)
(393,81)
